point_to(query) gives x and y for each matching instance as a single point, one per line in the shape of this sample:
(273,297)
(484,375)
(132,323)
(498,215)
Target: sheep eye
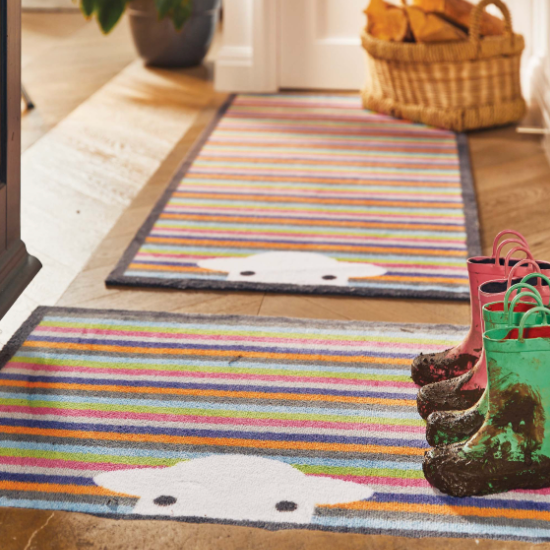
(329,277)
(248,273)
(165,500)
(286,506)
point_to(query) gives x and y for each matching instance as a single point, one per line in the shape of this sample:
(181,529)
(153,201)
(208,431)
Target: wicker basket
(458,85)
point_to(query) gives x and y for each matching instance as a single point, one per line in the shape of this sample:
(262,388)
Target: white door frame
(248,58)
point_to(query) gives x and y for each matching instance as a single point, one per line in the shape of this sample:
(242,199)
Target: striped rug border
(117,276)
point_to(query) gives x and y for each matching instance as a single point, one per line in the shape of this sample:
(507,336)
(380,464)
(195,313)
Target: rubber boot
(462,392)
(445,425)
(435,367)
(511,450)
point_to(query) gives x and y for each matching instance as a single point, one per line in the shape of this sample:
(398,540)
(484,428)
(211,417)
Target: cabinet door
(321,45)
(17,267)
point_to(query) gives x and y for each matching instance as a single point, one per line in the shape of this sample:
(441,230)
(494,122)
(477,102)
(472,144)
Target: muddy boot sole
(448,427)
(437,367)
(447,396)
(453,475)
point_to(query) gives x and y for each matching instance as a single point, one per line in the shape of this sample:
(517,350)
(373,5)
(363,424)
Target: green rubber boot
(446,427)
(512,448)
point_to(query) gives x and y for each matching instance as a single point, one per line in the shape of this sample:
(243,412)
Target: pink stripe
(255,124)
(126,374)
(162,417)
(285,172)
(59,464)
(324,194)
(233,338)
(297,155)
(220,136)
(390,481)
(344,239)
(361,217)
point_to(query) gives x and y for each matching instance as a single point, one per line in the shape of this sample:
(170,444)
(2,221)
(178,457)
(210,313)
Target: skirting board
(49,5)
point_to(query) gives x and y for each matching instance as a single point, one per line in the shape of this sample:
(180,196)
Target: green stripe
(360,472)
(262,333)
(207,413)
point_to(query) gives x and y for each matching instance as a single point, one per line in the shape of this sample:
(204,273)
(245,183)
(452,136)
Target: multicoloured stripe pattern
(88,391)
(315,173)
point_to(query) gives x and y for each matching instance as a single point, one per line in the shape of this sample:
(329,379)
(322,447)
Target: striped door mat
(312,194)
(265,422)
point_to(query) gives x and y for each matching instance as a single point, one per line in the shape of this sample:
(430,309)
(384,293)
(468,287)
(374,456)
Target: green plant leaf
(164,7)
(87,7)
(108,13)
(182,13)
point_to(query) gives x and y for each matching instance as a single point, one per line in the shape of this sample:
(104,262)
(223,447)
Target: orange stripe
(174,268)
(179,269)
(357,181)
(211,393)
(447,510)
(286,161)
(305,145)
(286,246)
(216,441)
(316,200)
(53,488)
(415,279)
(217,353)
(294,221)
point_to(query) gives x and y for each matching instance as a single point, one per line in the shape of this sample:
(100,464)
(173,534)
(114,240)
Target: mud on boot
(511,450)
(447,427)
(448,395)
(437,367)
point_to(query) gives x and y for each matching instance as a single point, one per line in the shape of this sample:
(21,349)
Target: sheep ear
(333,491)
(130,482)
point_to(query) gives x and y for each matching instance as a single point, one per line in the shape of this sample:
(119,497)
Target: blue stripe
(133,382)
(375,412)
(304,241)
(36,337)
(57,449)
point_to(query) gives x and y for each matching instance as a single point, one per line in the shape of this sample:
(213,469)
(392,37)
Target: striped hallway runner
(286,423)
(312,194)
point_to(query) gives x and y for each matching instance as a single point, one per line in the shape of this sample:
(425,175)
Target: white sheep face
(296,268)
(231,487)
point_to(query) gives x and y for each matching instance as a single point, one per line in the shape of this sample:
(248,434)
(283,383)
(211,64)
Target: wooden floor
(512,182)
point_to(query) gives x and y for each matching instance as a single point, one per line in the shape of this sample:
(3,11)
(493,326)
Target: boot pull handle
(520,239)
(540,277)
(509,256)
(524,262)
(526,251)
(519,287)
(521,330)
(518,297)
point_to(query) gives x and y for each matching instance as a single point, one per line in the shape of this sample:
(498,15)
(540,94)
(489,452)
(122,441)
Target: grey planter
(160,45)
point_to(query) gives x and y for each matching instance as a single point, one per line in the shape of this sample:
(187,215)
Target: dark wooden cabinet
(17,267)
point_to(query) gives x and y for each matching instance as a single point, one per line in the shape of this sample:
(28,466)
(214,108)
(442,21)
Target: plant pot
(159,44)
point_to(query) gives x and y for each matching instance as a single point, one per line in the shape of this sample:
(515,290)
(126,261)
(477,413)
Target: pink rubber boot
(435,367)
(463,392)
